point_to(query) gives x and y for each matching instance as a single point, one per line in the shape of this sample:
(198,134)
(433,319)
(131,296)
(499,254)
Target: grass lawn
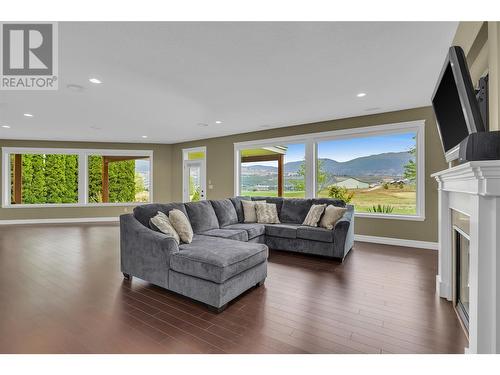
(403,200)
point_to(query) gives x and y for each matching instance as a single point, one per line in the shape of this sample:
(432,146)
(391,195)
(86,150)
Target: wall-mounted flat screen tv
(455,105)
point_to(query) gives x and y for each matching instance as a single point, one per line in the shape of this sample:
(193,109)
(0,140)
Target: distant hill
(386,164)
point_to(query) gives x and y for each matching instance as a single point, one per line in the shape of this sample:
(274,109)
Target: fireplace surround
(472,190)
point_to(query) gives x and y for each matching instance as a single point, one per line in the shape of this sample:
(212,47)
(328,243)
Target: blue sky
(352,148)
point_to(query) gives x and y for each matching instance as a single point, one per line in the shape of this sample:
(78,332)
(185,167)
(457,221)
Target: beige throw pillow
(163,224)
(181,225)
(331,216)
(249,214)
(267,213)
(314,215)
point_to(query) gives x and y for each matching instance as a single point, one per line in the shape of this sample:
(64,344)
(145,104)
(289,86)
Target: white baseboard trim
(396,242)
(61,221)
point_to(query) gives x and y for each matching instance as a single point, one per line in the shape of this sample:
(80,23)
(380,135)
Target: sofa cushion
(238,207)
(314,214)
(266,213)
(315,234)
(161,223)
(282,230)
(225,211)
(253,230)
(295,210)
(276,200)
(327,201)
(217,259)
(202,216)
(331,216)
(146,211)
(232,234)
(181,224)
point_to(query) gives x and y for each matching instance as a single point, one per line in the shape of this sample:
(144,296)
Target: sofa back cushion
(276,200)
(225,211)
(146,211)
(202,216)
(237,206)
(328,201)
(295,210)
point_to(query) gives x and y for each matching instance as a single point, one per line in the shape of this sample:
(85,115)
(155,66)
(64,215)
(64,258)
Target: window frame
(83,155)
(311,141)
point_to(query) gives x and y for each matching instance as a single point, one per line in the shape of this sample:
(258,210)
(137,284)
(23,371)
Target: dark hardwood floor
(61,291)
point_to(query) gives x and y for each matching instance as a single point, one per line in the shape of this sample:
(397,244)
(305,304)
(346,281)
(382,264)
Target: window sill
(390,216)
(69,205)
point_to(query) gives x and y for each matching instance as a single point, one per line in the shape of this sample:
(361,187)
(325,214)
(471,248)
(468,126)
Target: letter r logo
(27,49)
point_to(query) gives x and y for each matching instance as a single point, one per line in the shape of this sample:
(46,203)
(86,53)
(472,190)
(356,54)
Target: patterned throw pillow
(181,225)
(267,213)
(162,223)
(331,216)
(314,215)
(249,214)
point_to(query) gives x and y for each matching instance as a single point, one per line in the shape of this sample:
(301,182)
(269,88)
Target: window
(53,177)
(379,169)
(378,172)
(273,171)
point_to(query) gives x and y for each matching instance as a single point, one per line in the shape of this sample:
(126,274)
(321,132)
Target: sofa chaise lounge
(227,256)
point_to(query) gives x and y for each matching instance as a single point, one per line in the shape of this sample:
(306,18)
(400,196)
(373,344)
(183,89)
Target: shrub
(381,209)
(386,186)
(341,193)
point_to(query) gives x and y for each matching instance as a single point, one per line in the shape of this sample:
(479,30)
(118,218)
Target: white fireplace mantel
(473,189)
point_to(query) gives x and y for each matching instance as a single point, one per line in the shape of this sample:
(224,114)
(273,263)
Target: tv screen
(454,101)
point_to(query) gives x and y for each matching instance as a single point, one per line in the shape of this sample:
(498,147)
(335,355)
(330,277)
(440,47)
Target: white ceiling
(163,79)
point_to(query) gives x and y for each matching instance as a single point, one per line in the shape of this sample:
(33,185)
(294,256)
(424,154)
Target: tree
(122,181)
(410,168)
(55,178)
(322,177)
(95,178)
(71,178)
(340,192)
(38,186)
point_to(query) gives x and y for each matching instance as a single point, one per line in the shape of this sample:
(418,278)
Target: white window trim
(311,140)
(82,174)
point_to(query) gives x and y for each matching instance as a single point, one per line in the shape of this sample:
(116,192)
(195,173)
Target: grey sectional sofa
(227,256)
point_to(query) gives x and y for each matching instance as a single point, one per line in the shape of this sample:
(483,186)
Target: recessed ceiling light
(144,136)
(28,115)
(6,126)
(95,80)
(361,94)
(218,122)
(202,124)
(75,87)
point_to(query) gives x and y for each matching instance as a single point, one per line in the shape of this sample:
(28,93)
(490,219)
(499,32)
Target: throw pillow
(161,223)
(331,216)
(181,225)
(249,214)
(267,213)
(314,215)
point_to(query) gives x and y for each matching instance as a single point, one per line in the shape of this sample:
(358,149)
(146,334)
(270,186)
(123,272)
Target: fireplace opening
(461,245)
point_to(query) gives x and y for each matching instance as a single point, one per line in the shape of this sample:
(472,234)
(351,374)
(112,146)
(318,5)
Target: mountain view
(386,164)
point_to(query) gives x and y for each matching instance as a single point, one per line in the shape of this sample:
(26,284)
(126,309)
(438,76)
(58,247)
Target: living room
(272,186)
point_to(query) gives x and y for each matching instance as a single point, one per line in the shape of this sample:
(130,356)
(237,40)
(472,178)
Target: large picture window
(273,171)
(52,177)
(378,169)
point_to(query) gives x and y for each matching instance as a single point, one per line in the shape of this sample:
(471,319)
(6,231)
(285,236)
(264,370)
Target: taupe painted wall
(161,181)
(481,44)
(220,168)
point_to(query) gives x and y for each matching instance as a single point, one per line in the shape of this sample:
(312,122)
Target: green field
(403,200)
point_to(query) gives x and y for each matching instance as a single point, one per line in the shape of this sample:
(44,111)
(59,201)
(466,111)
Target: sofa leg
(126,276)
(217,310)
(259,284)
